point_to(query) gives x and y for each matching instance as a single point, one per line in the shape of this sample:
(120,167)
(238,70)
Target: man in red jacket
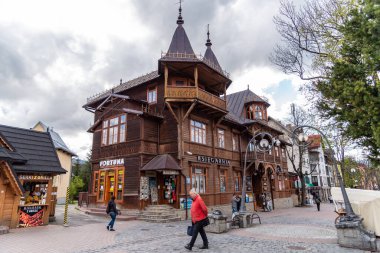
(199,220)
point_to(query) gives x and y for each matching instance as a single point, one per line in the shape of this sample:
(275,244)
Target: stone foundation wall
(295,199)
(283,203)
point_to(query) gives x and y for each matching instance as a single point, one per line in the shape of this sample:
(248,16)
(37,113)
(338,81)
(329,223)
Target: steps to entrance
(126,214)
(159,214)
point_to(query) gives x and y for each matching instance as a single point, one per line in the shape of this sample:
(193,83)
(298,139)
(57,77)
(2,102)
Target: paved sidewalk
(285,230)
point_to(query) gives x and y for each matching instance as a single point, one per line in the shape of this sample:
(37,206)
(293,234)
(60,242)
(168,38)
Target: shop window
(220,138)
(223,180)
(198,179)
(237,180)
(114,130)
(152,95)
(198,132)
(96,182)
(101,185)
(35,193)
(120,180)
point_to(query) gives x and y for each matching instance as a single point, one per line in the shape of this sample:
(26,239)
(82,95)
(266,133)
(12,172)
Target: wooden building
(157,136)
(28,163)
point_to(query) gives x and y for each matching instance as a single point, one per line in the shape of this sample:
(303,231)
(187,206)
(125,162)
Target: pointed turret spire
(210,57)
(180,20)
(180,43)
(208,42)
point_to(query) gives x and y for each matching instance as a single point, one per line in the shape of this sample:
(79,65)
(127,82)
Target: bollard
(65,223)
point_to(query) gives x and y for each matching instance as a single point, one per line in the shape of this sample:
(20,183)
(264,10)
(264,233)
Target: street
(283,230)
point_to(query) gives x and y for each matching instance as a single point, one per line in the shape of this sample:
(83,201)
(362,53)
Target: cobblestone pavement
(285,230)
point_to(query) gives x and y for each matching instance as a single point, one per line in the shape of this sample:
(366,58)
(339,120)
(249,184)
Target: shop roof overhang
(162,162)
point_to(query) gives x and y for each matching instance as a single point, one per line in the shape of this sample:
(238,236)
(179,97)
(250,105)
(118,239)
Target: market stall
(28,163)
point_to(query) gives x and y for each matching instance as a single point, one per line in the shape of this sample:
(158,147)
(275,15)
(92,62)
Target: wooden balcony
(189,93)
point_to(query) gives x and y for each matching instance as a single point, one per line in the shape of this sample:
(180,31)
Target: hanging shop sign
(31,216)
(215,160)
(170,172)
(113,162)
(35,177)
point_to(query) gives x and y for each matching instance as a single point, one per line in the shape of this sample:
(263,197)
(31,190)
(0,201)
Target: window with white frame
(221,138)
(223,180)
(198,178)
(198,132)
(152,95)
(114,130)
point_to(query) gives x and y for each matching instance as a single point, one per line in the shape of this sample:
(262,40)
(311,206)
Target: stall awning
(162,162)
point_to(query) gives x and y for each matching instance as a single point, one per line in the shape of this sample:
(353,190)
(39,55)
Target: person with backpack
(112,211)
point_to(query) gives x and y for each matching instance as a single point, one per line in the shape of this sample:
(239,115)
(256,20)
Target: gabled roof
(57,140)
(123,87)
(35,147)
(236,102)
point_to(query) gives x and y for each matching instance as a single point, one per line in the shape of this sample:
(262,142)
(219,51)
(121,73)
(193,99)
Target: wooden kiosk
(28,162)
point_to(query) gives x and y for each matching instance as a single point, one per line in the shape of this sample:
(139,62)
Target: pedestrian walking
(199,220)
(317,201)
(113,212)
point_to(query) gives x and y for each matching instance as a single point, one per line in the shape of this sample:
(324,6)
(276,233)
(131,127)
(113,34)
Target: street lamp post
(264,142)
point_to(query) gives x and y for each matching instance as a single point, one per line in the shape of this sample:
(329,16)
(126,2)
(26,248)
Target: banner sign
(170,172)
(31,216)
(114,162)
(207,159)
(35,177)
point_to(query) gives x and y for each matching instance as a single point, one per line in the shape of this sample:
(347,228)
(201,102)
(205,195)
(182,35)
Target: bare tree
(310,36)
(298,152)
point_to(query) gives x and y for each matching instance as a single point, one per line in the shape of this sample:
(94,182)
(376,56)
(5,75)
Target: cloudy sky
(55,54)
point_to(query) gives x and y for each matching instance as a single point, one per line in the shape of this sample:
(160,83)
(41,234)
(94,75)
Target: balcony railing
(191,93)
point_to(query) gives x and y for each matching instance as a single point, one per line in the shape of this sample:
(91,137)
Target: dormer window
(256,112)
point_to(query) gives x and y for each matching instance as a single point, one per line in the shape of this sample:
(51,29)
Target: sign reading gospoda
(216,160)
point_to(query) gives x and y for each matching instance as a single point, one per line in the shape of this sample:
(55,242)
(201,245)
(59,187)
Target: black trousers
(198,228)
(319,206)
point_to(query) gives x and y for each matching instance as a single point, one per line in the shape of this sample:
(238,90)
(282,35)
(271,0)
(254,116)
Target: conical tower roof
(210,57)
(180,42)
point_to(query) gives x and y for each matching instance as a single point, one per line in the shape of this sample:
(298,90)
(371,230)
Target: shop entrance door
(167,189)
(110,186)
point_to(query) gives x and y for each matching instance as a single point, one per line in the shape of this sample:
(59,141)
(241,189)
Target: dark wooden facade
(187,90)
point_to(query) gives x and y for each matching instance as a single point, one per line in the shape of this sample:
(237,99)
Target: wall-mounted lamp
(189,153)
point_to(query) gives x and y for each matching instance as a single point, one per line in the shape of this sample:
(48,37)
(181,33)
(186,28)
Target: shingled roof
(210,57)
(180,42)
(34,151)
(124,86)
